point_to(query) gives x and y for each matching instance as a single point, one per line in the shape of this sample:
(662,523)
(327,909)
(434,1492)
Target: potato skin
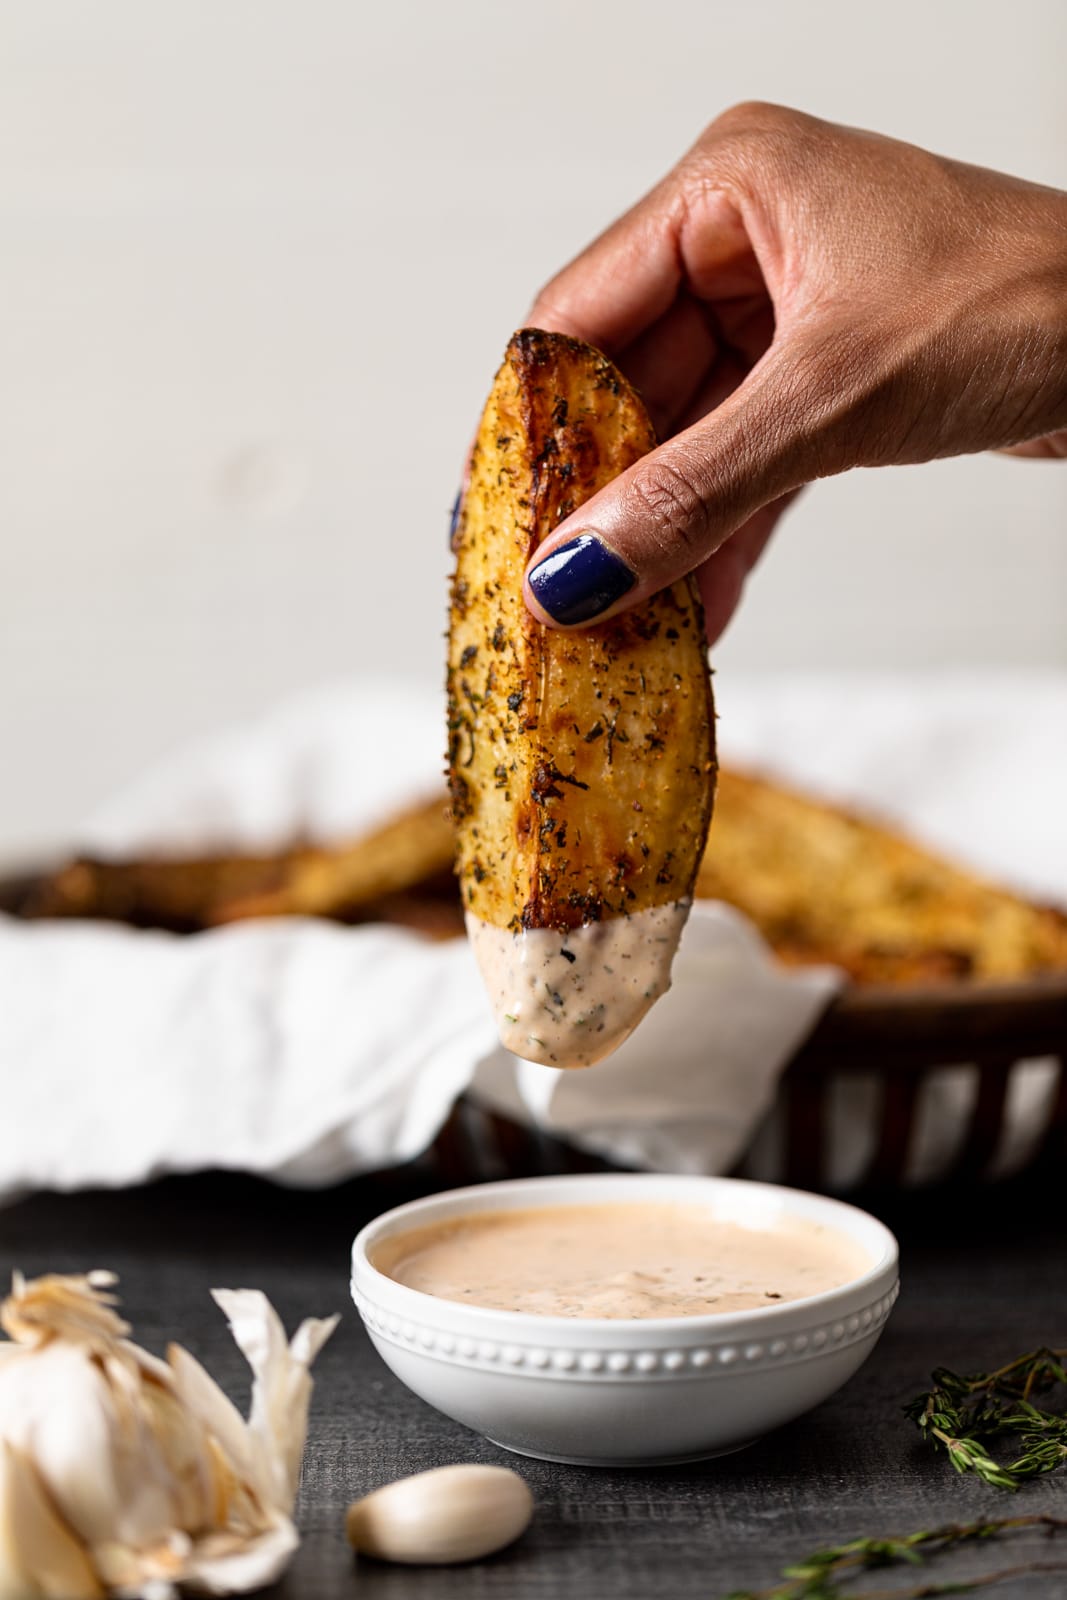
(581,765)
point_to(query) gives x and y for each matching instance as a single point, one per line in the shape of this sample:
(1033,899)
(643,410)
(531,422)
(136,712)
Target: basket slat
(1054,1145)
(987,1119)
(900,1096)
(806,1112)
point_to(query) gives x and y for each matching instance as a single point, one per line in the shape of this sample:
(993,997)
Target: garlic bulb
(119,1471)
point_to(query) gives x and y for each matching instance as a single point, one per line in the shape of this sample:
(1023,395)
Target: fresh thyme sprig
(965,1416)
(820,1575)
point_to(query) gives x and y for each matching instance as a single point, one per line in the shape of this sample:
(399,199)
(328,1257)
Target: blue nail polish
(580,580)
(453,521)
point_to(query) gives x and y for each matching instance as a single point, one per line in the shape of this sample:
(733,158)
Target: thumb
(669,512)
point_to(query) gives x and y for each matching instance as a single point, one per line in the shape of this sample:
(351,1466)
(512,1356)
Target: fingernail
(580,580)
(453,520)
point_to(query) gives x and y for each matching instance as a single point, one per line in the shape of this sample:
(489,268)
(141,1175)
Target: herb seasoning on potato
(581,764)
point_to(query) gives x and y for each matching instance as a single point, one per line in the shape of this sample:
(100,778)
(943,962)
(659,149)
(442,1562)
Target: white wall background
(258,261)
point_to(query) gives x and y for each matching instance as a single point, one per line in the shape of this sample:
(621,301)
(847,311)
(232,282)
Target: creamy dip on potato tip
(630,1259)
(569,999)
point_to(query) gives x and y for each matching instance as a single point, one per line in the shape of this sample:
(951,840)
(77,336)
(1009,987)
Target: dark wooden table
(985,1277)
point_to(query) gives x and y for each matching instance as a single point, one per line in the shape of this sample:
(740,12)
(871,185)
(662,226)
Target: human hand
(795,299)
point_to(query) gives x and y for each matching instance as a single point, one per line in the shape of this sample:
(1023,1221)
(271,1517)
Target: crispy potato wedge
(413,848)
(179,895)
(581,765)
(354,881)
(824,883)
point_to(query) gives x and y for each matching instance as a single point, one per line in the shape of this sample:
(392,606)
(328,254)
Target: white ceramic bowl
(627,1392)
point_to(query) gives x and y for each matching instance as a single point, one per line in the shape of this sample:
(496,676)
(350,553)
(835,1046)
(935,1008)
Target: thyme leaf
(969,1416)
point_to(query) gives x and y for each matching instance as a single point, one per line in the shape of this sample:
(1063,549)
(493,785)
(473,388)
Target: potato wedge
(823,882)
(341,880)
(581,765)
(180,895)
(409,854)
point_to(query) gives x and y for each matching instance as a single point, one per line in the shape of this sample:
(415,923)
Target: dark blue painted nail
(580,580)
(453,520)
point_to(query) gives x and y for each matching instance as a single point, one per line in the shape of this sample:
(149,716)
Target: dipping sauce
(652,1259)
(569,999)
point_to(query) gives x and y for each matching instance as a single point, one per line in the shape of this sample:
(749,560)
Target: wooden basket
(903,1037)
(900,1036)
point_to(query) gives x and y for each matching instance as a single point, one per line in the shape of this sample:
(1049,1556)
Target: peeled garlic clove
(440,1517)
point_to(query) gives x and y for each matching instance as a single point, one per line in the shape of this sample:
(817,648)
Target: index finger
(620,284)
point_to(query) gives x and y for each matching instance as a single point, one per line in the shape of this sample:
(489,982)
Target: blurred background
(259,263)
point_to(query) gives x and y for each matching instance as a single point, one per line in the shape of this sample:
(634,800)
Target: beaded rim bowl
(622,1391)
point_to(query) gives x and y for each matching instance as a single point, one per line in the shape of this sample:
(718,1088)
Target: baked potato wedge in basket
(581,764)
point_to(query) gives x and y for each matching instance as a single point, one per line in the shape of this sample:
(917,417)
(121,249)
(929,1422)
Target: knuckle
(670,507)
(757,124)
(754,114)
(757,137)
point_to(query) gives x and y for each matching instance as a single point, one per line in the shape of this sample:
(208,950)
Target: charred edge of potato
(581,765)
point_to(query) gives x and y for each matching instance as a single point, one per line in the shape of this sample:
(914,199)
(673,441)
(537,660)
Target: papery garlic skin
(137,1471)
(282,1391)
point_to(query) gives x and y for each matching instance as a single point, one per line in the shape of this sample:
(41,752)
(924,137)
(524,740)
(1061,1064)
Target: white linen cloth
(309,1052)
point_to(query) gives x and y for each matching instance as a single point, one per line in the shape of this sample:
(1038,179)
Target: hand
(793,300)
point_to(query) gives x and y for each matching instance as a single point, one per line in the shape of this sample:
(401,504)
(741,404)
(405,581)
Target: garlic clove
(38,1553)
(450,1514)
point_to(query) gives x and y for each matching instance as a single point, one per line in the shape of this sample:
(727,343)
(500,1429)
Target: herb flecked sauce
(624,1259)
(569,999)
